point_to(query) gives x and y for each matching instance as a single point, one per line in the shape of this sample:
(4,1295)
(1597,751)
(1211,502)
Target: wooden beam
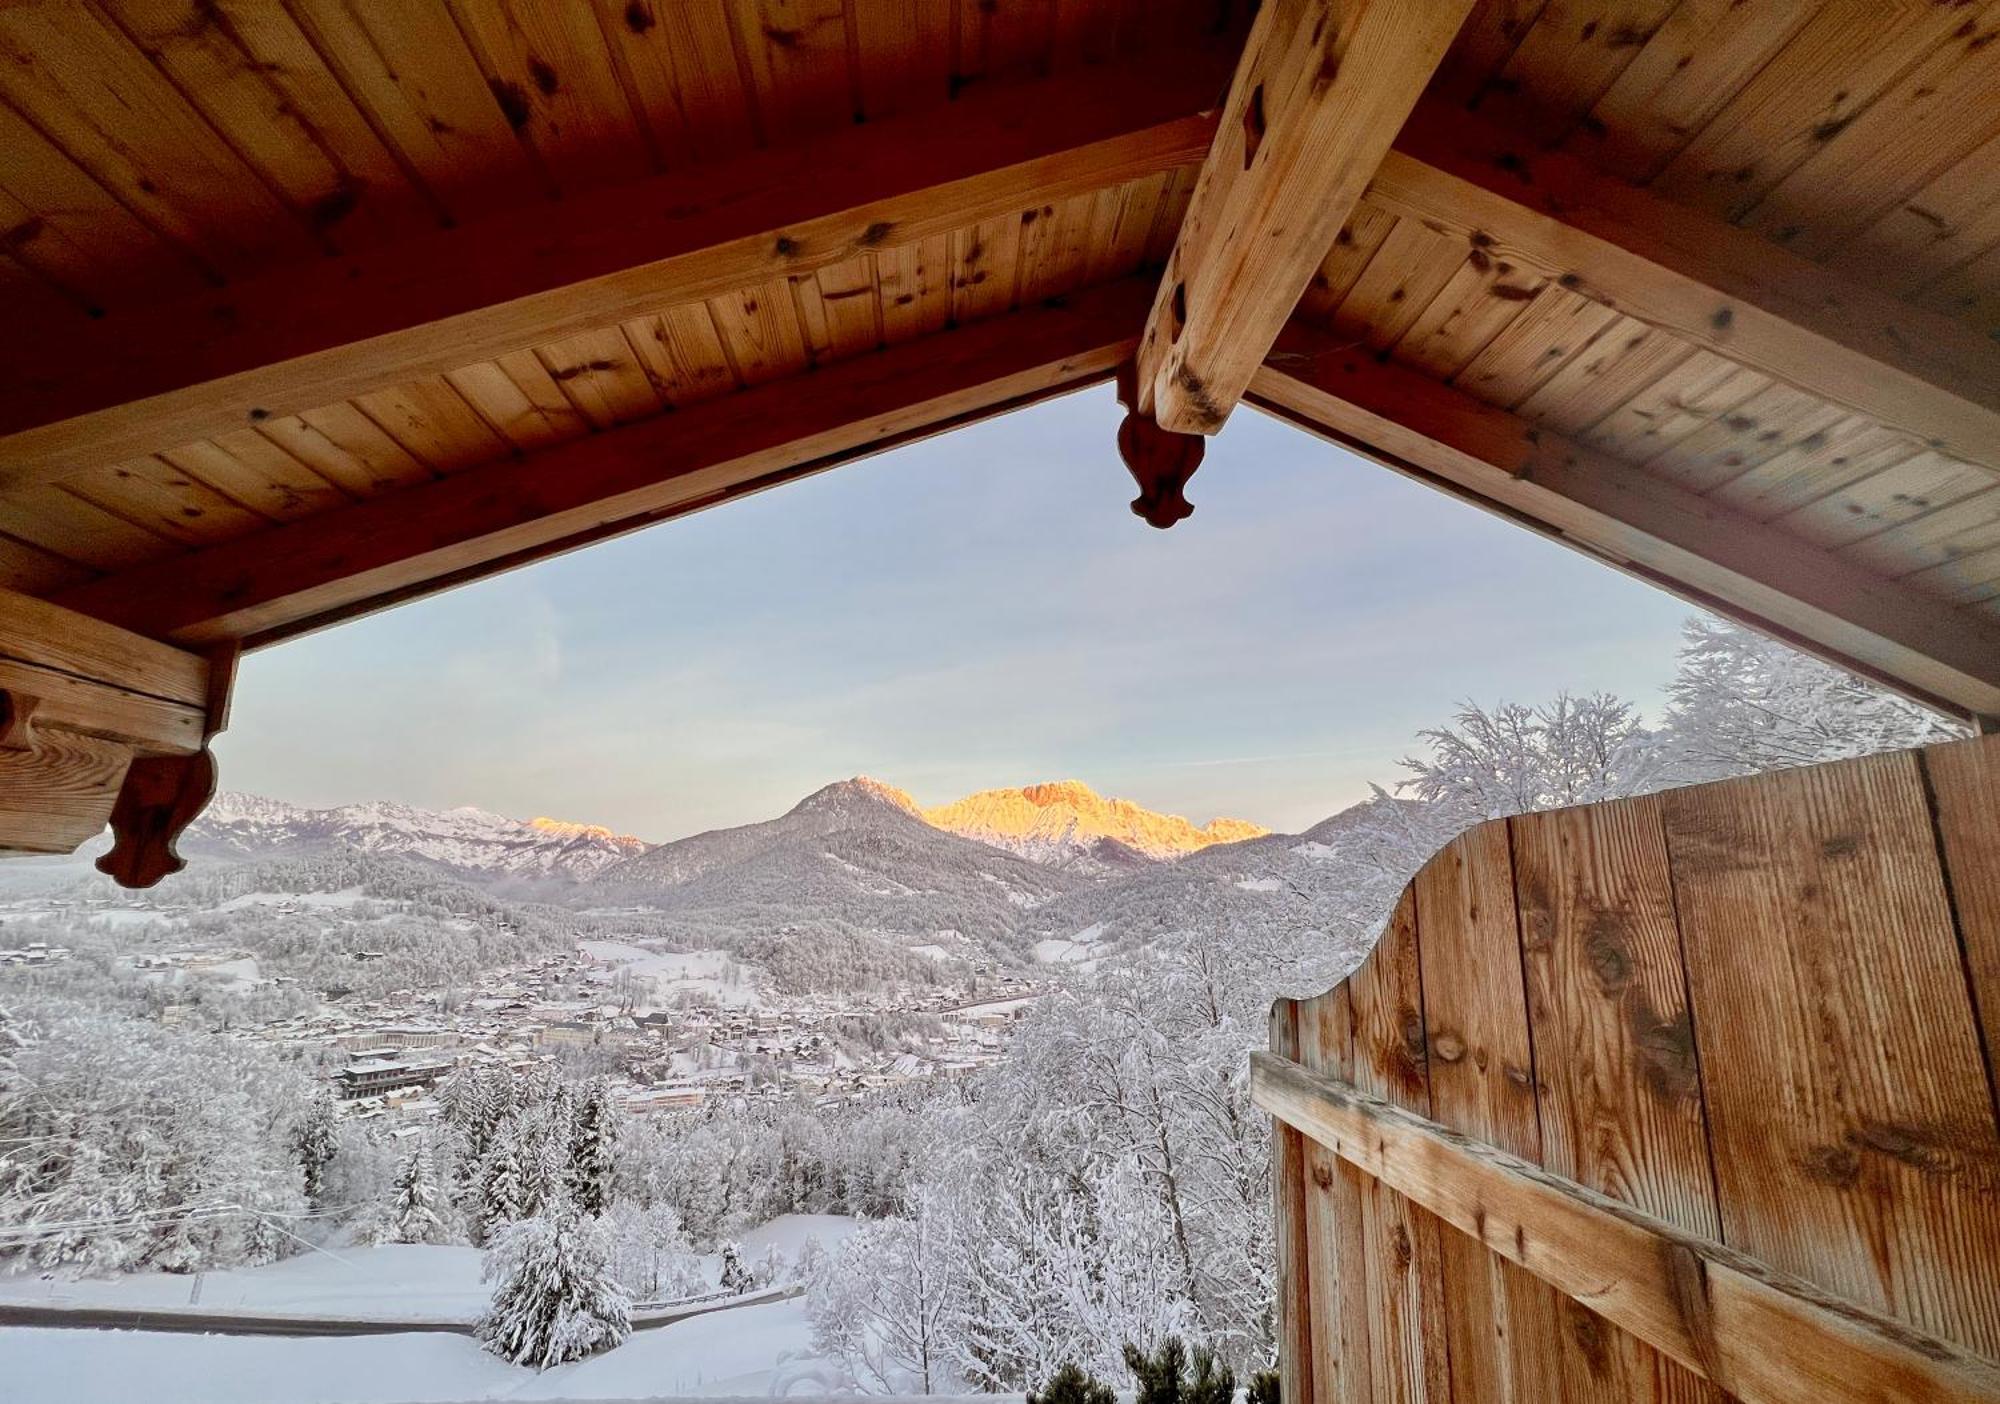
(1322,87)
(1644,524)
(1705,281)
(306,336)
(1761,1336)
(293,577)
(84,706)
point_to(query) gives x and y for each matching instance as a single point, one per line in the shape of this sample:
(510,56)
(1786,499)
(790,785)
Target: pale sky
(977,610)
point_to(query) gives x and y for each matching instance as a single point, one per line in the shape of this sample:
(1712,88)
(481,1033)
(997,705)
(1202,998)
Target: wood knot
(1448,1048)
(1323,1176)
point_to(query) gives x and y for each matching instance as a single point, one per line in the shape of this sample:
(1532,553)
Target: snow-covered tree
(887,1310)
(1742,703)
(1515,759)
(554,1298)
(651,1255)
(314,1144)
(413,1207)
(593,1165)
(504,1188)
(735,1274)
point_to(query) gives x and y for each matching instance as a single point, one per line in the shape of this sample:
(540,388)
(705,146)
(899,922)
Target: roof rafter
(292,578)
(1318,96)
(1612,509)
(1706,281)
(300,337)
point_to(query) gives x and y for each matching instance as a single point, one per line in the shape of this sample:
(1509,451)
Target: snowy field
(672,972)
(394,1280)
(760,1350)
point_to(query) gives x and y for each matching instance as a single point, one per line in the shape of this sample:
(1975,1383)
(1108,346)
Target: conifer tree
(503,1190)
(1071,1385)
(593,1151)
(554,1298)
(413,1216)
(313,1142)
(735,1276)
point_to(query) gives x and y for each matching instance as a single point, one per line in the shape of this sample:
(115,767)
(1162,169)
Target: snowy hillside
(467,839)
(852,866)
(1065,823)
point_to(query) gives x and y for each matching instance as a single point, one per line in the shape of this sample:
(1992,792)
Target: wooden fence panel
(1400,1242)
(1852,1127)
(1761,1011)
(1965,790)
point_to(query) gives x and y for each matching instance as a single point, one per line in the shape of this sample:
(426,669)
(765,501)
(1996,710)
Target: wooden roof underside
(320,306)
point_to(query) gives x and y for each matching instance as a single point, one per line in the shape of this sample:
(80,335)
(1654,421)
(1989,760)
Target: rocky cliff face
(1066,823)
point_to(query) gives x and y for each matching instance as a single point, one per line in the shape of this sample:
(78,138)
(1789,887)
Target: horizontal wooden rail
(1760,1335)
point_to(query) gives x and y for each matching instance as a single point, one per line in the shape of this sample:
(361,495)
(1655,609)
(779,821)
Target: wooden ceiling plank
(516,395)
(1699,58)
(1961,529)
(1930,118)
(1321,89)
(434,424)
(87,86)
(1838,62)
(916,288)
(1709,283)
(1626,357)
(434,534)
(1476,305)
(1700,390)
(168,500)
(33,571)
(1352,250)
(760,332)
(50,195)
(1553,330)
(985,266)
(797,56)
(1848,452)
(1762,426)
(385,317)
(1884,499)
(407,68)
(1602,504)
(198,45)
(52,518)
(682,352)
(903,50)
(1949,222)
(678,65)
(1409,269)
(1569,59)
(551,71)
(602,376)
(345,446)
(248,468)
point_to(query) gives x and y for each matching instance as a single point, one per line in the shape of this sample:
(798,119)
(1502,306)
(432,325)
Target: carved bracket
(163,794)
(1160,460)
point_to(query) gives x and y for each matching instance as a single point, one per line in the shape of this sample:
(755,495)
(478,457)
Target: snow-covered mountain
(1065,823)
(467,840)
(853,865)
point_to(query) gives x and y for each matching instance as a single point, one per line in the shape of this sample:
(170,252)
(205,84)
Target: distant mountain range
(465,840)
(1064,824)
(855,885)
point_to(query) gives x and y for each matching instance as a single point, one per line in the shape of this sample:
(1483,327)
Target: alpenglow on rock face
(1066,823)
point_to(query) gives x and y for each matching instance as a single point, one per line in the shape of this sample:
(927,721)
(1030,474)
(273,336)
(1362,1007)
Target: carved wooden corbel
(1160,460)
(17,720)
(163,794)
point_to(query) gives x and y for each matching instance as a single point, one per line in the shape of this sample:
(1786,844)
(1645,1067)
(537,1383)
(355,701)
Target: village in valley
(669,1030)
